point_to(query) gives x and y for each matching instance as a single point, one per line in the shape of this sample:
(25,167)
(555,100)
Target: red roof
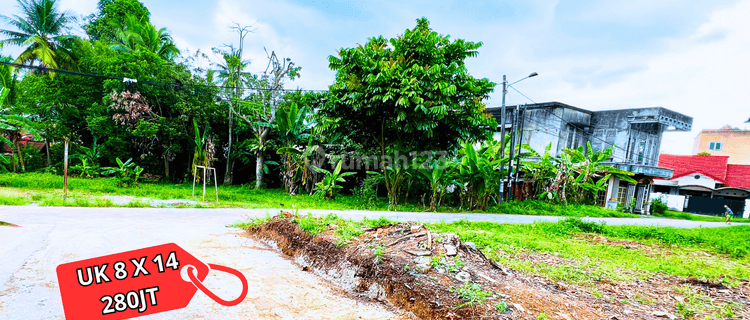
(714,167)
(738,176)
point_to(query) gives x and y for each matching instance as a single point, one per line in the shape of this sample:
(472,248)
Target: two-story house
(635,133)
(727,141)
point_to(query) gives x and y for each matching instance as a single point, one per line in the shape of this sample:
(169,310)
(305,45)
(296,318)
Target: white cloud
(689,57)
(707,80)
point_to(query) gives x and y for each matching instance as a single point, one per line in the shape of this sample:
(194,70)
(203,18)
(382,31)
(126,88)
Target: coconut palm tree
(232,76)
(140,34)
(42,29)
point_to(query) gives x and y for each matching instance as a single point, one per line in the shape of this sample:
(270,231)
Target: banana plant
(126,173)
(293,129)
(437,175)
(200,155)
(588,164)
(89,167)
(4,162)
(327,188)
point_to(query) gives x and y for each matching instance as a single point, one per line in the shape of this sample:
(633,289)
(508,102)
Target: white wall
(690,180)
(674,202)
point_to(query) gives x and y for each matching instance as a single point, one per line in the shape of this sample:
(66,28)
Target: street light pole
(502,138)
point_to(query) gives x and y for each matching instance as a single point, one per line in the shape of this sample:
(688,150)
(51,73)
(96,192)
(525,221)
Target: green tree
(7,83)
(259,110)
(111,16)
(412,93)
(140,34)
(79,108)
(234,79)
(42,30)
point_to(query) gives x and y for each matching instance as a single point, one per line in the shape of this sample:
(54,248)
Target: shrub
(658,207)
(126,174)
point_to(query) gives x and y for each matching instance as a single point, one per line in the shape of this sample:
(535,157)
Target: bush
(658,207)
(368,190)
(578,225)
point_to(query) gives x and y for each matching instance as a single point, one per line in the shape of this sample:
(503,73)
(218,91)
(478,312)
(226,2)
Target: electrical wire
(128,80)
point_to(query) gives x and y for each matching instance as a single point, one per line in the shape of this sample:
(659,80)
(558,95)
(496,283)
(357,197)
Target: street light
(502,128)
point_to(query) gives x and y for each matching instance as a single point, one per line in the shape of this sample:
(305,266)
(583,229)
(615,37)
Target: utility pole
(65,171)
(502,137)
(521,125)
(503,186)
(513,128)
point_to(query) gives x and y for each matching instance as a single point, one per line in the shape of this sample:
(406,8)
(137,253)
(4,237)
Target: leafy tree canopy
(112,14)
(409,93)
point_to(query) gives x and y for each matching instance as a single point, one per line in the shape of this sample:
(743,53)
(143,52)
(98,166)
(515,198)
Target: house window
(622,195)
(715,146)
(601,197)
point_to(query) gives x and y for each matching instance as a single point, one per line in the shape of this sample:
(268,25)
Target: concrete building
(636,133)
(727,141)
(706,183)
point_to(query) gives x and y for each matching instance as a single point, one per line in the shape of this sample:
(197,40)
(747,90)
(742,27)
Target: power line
(128,80)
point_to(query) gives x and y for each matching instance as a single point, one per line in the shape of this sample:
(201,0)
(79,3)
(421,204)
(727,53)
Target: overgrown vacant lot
(630,272)
(46,190)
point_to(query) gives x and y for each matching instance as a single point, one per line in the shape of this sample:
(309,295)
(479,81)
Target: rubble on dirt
(437,276)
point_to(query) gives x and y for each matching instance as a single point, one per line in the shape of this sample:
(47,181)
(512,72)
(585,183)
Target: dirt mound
(437,276)
(433,276)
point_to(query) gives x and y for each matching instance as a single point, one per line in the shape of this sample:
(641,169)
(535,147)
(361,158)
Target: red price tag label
(130,284)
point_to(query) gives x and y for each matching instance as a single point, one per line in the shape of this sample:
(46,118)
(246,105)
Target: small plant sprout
(472,293)
(378,252)
(501,307)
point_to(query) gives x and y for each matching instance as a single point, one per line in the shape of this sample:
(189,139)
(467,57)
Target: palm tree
(42,30)
(140,34)
(233,77)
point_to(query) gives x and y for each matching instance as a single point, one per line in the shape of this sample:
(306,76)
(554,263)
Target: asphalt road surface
(50,236)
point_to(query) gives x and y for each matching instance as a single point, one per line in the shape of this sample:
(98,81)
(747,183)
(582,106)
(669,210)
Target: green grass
(712,254)
(669,251)
(345,229)
(696,217)
(10,200)
(46,189)
(697,301)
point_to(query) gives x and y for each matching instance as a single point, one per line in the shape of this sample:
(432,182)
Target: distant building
(727,141)
(707,183)
(636,133)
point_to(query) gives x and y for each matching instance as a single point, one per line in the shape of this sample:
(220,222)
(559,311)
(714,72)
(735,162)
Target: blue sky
(689,56)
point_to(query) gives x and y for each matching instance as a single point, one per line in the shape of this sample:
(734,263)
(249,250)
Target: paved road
(50,236)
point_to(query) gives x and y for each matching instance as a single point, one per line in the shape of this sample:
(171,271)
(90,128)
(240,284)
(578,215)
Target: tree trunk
(49,161)
(20,156)
(228,175)
(259,160)
(166,167)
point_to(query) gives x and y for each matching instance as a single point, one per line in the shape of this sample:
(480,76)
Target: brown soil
(414,274)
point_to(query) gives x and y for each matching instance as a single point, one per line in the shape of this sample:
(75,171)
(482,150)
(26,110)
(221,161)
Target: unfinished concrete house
(635,133)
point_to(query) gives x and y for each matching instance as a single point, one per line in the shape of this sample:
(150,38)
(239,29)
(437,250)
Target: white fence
(673,201)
